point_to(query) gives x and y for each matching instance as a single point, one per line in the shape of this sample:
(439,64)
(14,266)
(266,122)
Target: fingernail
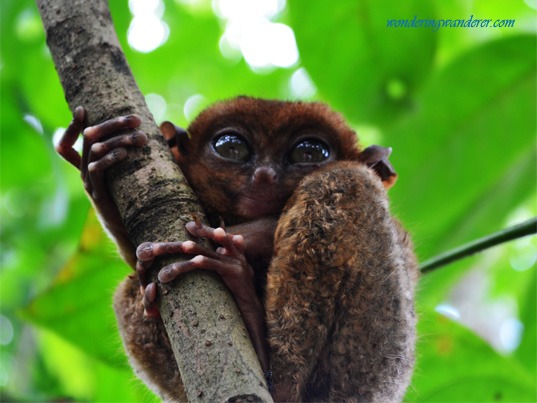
(162,276)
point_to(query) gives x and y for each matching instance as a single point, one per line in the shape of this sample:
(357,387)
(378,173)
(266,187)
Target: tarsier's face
(266,174)
(246,156)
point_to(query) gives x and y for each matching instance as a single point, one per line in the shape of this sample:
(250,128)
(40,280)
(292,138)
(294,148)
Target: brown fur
(147,343)
(339,299)
(271,126)
(340,286)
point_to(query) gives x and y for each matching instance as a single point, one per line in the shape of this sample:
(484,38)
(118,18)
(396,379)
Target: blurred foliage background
(458,106)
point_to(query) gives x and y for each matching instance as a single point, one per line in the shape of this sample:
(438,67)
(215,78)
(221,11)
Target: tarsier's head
(244,157)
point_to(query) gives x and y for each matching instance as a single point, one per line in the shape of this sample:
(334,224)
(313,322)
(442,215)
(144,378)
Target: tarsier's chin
(323,275)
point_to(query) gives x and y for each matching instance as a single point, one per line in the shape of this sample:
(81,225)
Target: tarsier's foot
(228,261)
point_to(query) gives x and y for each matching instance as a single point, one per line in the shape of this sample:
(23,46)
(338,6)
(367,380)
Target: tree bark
(215,357)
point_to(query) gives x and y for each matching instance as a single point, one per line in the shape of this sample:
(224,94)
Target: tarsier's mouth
(255,207)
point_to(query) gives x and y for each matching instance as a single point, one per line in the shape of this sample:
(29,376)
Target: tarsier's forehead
(270,113)
(273,118)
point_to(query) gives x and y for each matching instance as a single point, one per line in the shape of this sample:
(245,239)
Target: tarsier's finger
(65,145)
(200,230)
(172,271)
(231,244)
(69,154)
(150,294)
(111,126)
(143,272)
(224,267)
(98,150)
(103,130)
(220,236)
(150,250)
(238,242)
(212,263)
(94,177)
(148,299)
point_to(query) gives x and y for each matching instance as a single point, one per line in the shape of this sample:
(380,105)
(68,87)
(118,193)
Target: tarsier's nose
(265,174)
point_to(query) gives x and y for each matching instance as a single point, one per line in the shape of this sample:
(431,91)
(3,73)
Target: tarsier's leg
(147,343)
(340,312)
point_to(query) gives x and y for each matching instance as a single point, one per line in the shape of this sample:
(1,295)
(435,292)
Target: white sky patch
(34,122)
(262,43)
(157,105)
(147,31)
(54,210)
(301,86)
(195,5)
(6,330)
(531,3)
(239,9)
(58,134)
(448,311)
(511,331)
(494,318)
(526,257)
(193,106)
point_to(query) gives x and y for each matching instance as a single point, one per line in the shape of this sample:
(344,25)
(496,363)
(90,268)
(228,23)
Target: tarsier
(322,274)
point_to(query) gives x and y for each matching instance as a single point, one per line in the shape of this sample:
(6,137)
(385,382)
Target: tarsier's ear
(177,139)
(376,158)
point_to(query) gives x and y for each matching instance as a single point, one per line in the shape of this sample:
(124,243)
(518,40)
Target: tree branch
(518,231)
(148,188)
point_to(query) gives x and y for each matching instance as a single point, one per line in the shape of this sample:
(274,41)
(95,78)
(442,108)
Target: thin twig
(517,231)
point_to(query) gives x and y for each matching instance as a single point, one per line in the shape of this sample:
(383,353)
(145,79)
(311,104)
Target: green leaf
(80,374)
(78,305)
(526,352)
(466,155)
(369,71)
(461,367)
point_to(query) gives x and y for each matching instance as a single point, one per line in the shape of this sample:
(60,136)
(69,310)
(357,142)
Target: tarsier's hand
(104,146)
(228,261)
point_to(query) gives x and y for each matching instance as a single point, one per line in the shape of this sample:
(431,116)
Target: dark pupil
(232,147)
(309,151)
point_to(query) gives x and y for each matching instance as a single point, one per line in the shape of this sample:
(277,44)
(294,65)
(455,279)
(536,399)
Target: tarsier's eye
(232,147)
(309,151)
